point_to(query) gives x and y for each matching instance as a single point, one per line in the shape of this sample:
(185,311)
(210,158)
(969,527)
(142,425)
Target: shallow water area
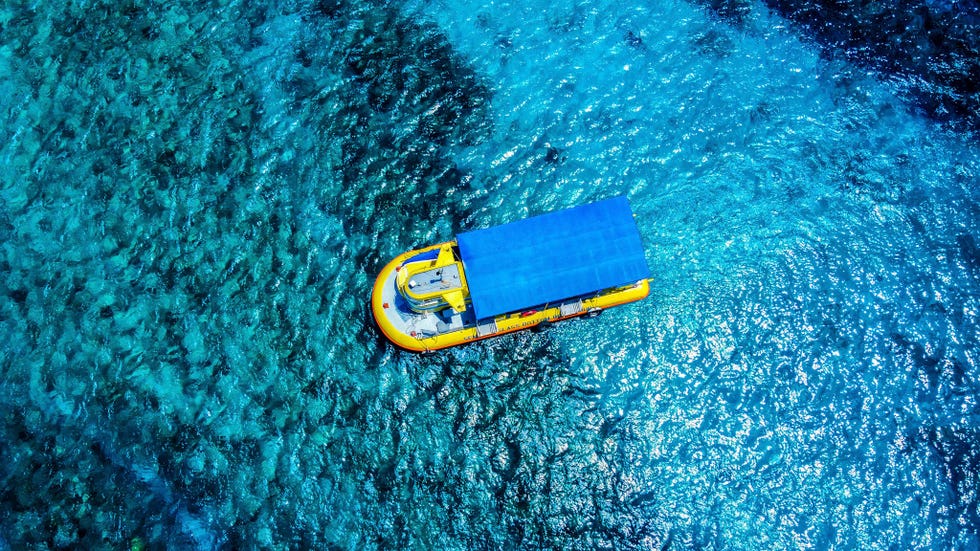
(196,199)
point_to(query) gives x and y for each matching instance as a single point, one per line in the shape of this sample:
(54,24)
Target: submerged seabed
(195,199)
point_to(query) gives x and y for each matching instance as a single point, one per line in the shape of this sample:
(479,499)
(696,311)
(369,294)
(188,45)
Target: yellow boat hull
(396,322)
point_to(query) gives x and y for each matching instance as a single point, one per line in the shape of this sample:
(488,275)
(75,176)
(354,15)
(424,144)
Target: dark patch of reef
(931,50)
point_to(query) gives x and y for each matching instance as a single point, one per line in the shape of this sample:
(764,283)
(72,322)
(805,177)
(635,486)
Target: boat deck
(405,320)
(436,280)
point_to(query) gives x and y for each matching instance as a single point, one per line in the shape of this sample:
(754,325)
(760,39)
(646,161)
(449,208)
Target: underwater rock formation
(929,50)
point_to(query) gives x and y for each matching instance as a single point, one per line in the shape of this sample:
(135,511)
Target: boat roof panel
(552,257)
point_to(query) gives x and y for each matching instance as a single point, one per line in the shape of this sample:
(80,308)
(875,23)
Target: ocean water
(195,199)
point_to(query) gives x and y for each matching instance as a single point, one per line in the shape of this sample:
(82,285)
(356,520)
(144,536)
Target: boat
(520,275)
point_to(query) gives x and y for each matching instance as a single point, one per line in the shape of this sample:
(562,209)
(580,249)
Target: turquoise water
(195,200)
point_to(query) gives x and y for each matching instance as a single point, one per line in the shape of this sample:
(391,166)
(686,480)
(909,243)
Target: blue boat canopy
(552,257)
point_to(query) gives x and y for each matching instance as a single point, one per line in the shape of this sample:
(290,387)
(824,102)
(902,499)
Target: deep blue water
(195,200)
